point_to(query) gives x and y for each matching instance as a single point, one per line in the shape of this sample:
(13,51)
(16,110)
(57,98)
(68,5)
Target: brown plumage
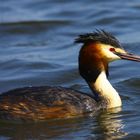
(43,103)
(91,63)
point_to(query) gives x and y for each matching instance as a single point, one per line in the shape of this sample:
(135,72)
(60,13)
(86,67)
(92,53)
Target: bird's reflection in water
(55,129)
(110,125)
(106,125)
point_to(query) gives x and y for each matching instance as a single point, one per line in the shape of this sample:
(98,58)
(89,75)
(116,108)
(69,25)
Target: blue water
(36,48)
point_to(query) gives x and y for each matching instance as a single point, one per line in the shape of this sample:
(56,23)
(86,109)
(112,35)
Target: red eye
(112,49)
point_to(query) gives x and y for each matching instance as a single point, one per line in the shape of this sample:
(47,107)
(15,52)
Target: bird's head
(100,48)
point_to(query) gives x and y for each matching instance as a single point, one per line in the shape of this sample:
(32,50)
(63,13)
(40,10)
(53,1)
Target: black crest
(98,36)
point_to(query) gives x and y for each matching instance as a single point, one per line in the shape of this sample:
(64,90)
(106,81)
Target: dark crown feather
(98,36)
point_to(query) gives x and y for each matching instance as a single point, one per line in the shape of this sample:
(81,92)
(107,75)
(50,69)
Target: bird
(42,103)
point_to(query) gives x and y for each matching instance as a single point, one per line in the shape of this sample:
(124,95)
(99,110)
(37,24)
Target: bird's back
(43,103)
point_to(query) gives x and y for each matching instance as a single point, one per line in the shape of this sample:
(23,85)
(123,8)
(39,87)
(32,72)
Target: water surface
(36,48)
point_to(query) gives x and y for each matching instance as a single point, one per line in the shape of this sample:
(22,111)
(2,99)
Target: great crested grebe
(42,103)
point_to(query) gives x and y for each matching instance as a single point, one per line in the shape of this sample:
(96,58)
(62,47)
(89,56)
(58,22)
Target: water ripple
(36,48)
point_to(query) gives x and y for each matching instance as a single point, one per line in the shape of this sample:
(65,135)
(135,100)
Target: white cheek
(110,56)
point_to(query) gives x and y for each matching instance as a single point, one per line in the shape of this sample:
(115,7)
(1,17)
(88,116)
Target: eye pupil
(112,49)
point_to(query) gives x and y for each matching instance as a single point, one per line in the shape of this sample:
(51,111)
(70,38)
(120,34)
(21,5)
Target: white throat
(105,89)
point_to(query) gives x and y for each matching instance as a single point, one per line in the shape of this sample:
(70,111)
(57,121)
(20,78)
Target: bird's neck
(105,91)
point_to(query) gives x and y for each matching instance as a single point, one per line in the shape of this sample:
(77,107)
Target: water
(36,48)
